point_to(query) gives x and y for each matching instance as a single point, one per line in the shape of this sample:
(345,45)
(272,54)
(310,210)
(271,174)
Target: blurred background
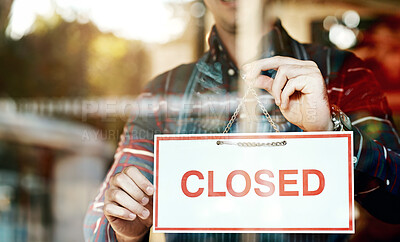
(71,69)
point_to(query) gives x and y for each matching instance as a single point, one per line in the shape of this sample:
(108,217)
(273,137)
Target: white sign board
(244,185)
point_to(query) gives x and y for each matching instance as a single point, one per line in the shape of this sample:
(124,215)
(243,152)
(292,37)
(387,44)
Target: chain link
(236,113)
(264,110)
(252,144)
(239,107)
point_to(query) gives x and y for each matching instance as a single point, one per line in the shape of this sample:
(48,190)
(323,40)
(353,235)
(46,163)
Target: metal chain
(252,144)
(263,109)
(236,113)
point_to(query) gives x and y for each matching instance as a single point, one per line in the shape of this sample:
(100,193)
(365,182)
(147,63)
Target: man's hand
(128,204)
(298,88)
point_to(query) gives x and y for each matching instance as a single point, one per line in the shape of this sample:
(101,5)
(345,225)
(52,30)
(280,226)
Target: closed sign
(266,183)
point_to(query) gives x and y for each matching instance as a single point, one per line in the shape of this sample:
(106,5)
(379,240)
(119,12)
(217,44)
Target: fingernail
(132,216)
(145,200)
(149,190)
(145,213)
(277,102)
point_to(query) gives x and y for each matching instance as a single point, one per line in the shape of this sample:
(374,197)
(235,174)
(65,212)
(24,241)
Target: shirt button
(231,72)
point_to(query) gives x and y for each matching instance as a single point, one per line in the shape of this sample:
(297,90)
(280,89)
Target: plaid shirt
(200,98)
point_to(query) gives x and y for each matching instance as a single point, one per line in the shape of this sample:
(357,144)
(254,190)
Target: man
(307,78)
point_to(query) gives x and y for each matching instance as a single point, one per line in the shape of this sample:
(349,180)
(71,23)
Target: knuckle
(286,68)
(108,195)
(112,180)
(131,170)
(287,88)
(277,57)
(118,195)
(292,81)
(118,178)
(107,208)
(283,59)
(311,63)
(280,71)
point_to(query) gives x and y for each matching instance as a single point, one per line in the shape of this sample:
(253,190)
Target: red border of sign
(253,136)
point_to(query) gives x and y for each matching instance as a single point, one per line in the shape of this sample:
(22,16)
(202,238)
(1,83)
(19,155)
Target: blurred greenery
(69,59)
(60,59)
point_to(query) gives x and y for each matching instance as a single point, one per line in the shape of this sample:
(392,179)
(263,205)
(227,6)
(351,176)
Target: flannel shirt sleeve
(376,142)
(136,148)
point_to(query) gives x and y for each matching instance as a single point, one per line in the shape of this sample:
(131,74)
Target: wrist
(330,126)
(322,123)
(123,238)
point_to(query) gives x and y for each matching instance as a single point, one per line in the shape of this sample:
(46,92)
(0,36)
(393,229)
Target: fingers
(130,191)
(285,73)
(264,82)
(296,82)
(278,84)
(287,69)
(140,180)
(252,70)
(120,197)
(114,210)
(293,85)
(123,181)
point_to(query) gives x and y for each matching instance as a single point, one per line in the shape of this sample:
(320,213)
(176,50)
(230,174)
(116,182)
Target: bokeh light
(329,21)
(351,19)
(342,36)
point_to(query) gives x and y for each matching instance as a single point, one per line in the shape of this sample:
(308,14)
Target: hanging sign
(264,183)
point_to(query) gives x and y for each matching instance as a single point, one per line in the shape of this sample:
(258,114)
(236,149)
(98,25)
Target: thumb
(263,82)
